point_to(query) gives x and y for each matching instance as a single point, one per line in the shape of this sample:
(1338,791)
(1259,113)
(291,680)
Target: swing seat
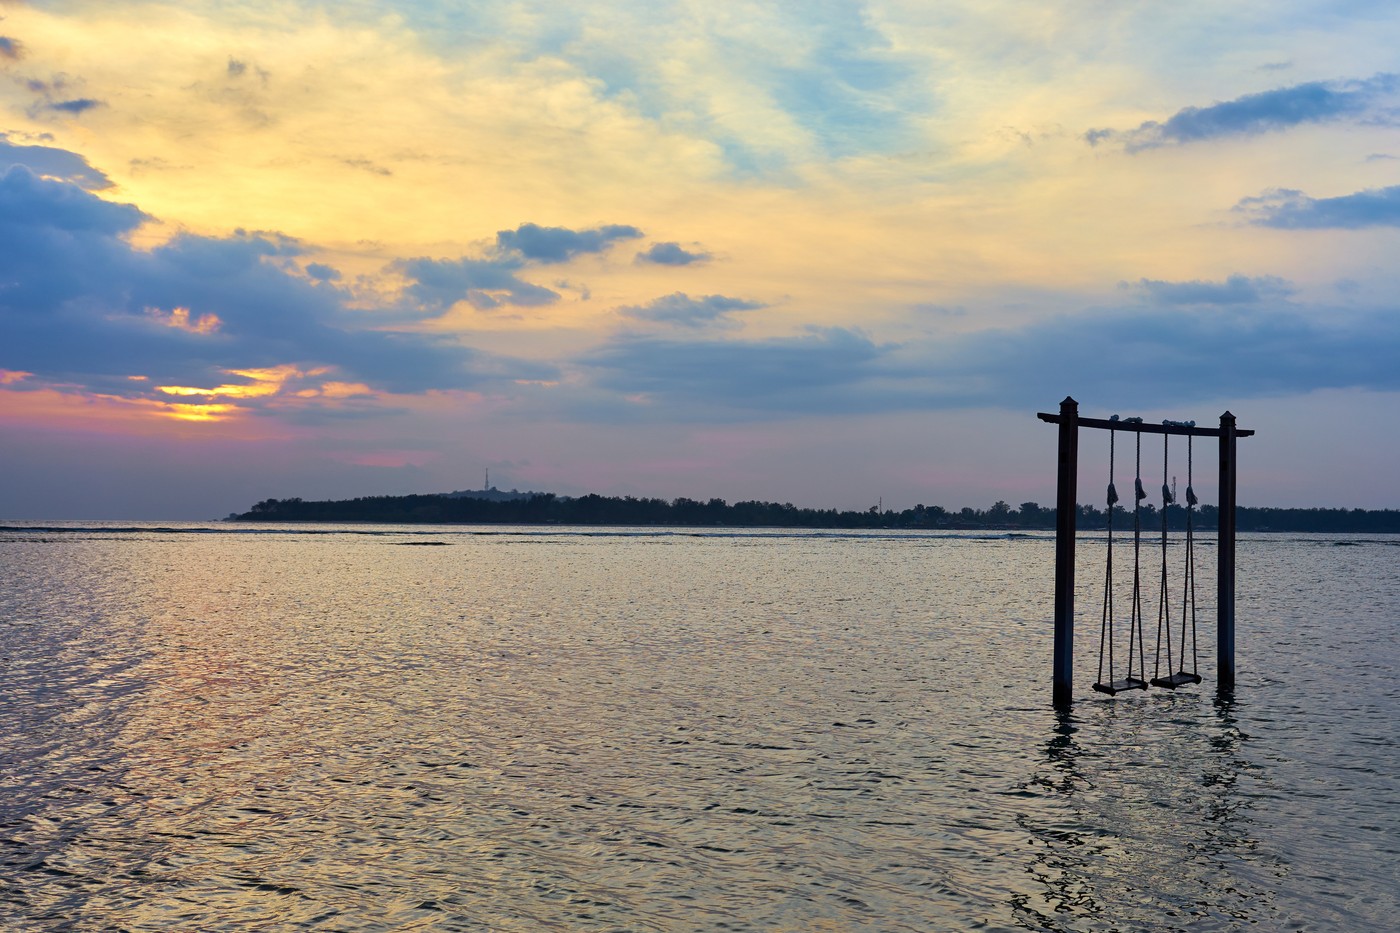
(1118,686)
(1179,679)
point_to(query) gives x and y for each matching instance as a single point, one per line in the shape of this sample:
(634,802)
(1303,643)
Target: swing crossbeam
(1067,509)
(1143,427)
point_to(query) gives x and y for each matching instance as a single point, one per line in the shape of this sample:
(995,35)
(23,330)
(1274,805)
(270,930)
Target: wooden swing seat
(1179,679)
(1118,686)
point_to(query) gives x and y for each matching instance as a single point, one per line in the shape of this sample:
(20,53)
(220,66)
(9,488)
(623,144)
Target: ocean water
(233,727)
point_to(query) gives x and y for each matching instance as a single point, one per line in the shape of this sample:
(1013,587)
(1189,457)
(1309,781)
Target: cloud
(1137,357)
(813,372)
(84,310)
(322,272)
(483,283)
(685,311)
(238,69)
(1174,356)
(491,281)
(50,99)
(1267,111)
(1237,289)
(75,106)
(12,49)
(1287,209)
(40,205)
(54,163)
(367,166)
(671,254)
(559,244)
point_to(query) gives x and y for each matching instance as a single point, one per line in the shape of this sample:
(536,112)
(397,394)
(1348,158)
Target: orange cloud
(106,414)
(179,318)
(284,386)
(345,389)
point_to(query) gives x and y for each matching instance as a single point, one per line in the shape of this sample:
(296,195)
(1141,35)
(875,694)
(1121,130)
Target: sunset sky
(825,252)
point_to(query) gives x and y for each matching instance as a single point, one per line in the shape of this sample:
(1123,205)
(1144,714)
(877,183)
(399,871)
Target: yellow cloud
(278,374)
(285,119)
(228,391)
(266,382)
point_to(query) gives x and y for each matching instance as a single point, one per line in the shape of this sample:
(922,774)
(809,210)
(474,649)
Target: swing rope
(1106,626)
(1137,572)
(1163,609)
(1179,677)
(1188,594)
(1112,686)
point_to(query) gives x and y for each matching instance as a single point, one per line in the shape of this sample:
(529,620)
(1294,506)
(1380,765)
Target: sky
(834,253)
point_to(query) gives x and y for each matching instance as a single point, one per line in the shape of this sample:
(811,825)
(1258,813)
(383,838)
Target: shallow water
(445,728)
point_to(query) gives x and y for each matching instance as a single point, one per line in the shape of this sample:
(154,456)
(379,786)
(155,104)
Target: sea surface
(358,728)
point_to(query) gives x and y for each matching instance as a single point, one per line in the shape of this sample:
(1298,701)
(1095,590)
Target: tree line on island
(593,509)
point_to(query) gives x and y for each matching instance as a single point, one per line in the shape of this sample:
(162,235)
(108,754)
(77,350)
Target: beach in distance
(251,726)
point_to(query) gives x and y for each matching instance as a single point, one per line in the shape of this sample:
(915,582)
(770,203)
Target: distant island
(492,507)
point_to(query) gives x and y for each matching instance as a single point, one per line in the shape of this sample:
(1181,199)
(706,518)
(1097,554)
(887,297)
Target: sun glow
(212,412)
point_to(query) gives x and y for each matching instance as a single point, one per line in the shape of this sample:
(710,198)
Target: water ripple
(669,731)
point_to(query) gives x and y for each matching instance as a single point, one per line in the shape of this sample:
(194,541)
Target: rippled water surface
(446,728)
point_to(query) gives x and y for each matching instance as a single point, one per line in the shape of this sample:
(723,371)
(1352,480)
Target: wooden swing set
(1176,673)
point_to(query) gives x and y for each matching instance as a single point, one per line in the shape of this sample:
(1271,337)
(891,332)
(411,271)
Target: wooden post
(1225,548)
(1065,508)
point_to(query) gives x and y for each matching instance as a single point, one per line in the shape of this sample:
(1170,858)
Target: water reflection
(1060,885)
(1062,754)
(1142,818)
